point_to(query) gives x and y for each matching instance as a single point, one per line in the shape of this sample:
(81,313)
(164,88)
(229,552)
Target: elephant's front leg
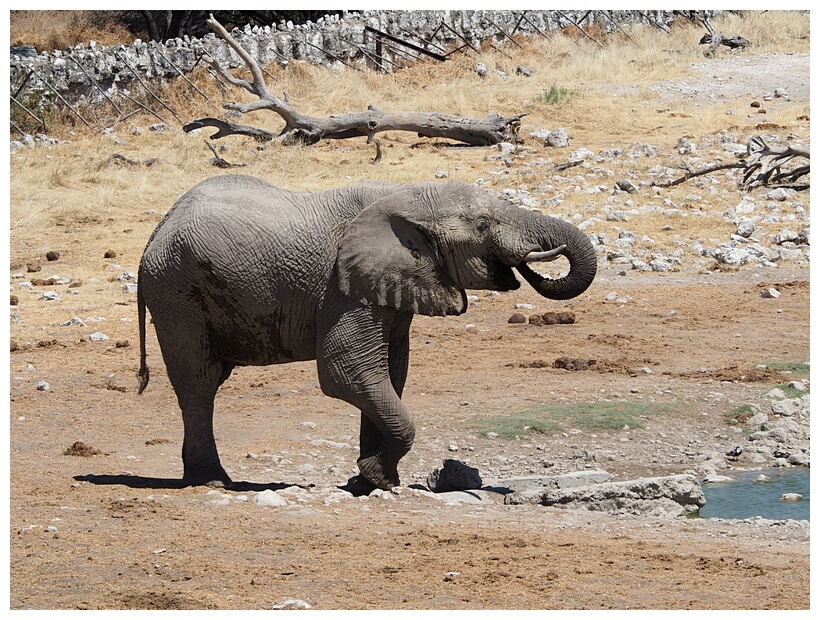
(355,365)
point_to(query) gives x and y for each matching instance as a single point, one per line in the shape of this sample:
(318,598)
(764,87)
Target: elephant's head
(419,249)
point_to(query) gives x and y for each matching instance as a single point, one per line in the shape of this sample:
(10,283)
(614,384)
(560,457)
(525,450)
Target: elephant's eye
(482,224)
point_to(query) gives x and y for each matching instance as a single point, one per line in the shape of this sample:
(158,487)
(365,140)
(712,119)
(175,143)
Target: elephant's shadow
(356,485)
(145,482)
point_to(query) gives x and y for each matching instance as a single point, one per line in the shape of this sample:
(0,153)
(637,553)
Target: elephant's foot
(211,476)
(373,470)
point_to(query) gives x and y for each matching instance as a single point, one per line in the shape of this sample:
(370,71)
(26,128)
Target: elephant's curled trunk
(579,251)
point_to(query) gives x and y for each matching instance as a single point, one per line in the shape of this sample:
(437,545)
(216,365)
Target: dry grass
(73,196)
(58,30)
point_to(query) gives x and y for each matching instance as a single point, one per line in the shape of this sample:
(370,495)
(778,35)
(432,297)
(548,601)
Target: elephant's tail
(143,371)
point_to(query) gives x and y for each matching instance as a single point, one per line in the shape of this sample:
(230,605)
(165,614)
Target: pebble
(269,498)
(292,603)
(43,386)
(97,337)
(51,296)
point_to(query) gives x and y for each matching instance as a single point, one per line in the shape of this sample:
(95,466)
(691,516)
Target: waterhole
(751,496)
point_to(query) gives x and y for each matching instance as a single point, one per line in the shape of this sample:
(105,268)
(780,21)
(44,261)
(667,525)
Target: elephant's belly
(260,341)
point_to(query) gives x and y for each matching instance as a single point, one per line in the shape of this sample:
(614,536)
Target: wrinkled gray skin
(240,272)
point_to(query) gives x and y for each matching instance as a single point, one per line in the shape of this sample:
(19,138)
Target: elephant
(240,272)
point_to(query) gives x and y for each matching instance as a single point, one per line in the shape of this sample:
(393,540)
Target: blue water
(746,497)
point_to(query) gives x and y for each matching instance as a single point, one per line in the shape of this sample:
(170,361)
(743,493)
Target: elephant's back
(232,194)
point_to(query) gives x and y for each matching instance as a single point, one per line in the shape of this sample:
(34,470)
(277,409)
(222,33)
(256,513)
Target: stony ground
(676,329)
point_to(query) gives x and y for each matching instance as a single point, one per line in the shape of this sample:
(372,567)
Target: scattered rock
(110,254)
(14,300)
(43,386)
(745,228)
(517,318)
(797,385)
(453,476)
(625,185)
(791,497)
(292,603)
(662,496)
(785,236)
(97,337)
(269,498)
(558,138)
(33,267)
(770,293)
(52,256)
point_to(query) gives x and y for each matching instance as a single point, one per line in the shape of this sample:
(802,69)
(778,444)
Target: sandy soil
(128,537)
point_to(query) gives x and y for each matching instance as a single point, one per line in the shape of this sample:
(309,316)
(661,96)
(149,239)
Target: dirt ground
(106,526)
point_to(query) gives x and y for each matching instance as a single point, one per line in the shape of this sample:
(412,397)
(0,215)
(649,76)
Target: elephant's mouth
(504,278)
(503,275)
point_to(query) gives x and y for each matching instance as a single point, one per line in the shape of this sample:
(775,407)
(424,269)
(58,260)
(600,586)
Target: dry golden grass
(58,30)
(72,194)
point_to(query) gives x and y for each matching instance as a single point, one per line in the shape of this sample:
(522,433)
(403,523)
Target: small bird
(734,452)
(781,455)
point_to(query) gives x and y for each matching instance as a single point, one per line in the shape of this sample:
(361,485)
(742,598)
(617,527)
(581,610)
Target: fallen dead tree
(763,166)
(305,129)
(714,39)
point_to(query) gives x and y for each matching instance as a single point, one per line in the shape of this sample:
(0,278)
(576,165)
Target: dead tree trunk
(714,39)
(299,127)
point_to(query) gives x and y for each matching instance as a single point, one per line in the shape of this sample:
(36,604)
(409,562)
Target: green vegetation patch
(557,95)
(598,416)
(739,415)
(797,369)
(791,392)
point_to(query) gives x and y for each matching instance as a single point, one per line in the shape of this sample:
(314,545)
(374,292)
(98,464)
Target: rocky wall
(335,40)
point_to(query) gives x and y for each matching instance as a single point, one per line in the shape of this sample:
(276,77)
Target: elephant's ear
(389,257)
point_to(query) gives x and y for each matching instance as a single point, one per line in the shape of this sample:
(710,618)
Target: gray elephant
(240,272)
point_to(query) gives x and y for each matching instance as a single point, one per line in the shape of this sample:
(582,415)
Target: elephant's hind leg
(196,376)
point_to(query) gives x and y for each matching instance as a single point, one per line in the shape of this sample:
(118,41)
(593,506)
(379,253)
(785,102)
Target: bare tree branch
(763,166)
(299,127)
(765,162)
